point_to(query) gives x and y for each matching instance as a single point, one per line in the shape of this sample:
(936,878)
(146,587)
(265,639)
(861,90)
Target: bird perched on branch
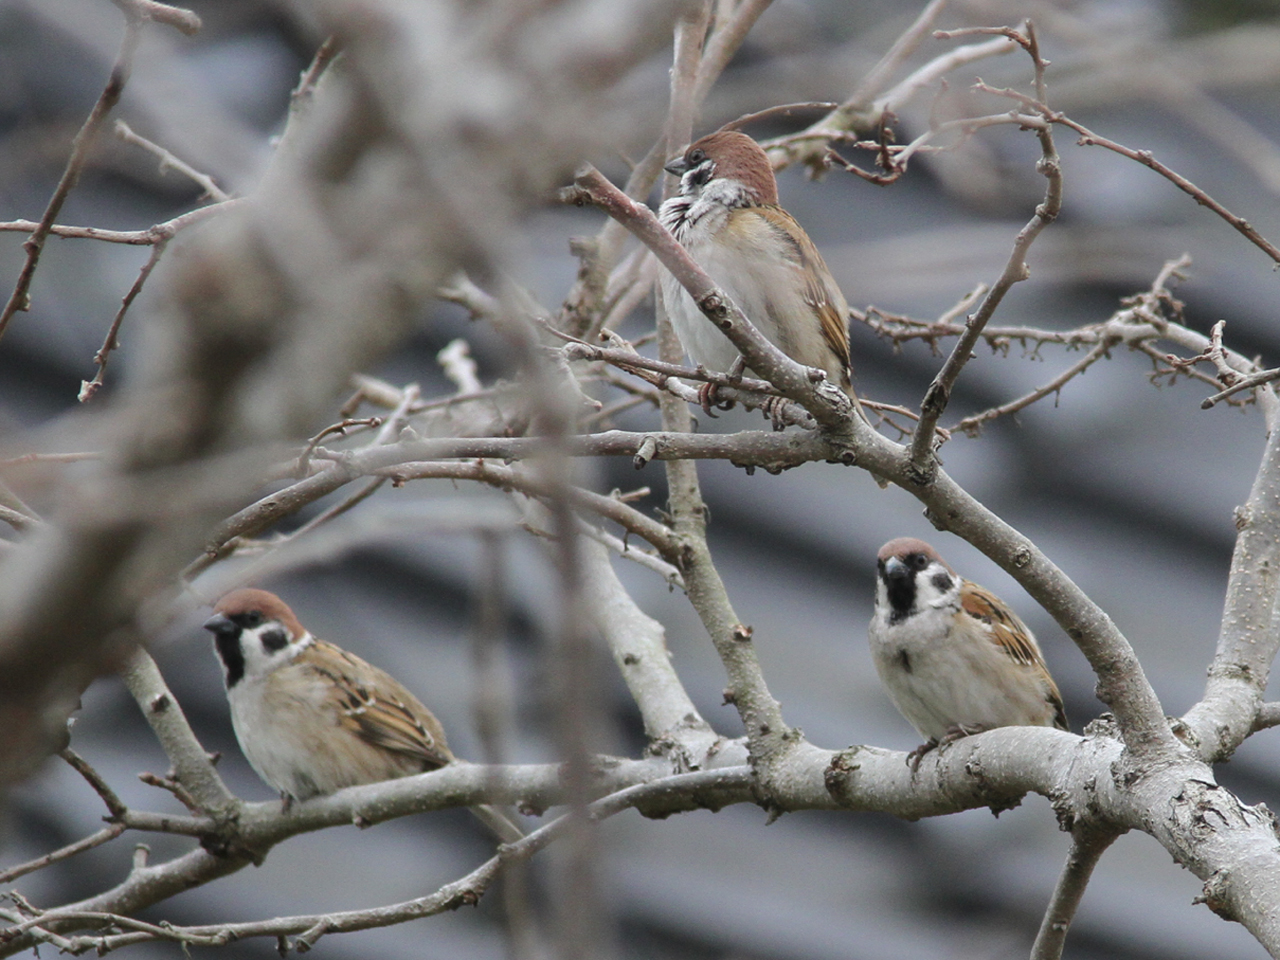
(312,718)
(952,655)
(728,218)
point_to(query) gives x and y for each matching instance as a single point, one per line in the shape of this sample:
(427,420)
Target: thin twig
(137,238)
(625,358)
(170,162)
(334,429)
(172,784)
(668,571)
(866,105)
(607,413)
(17,519)
(1087,847)
(512,478)
(1145,157)
(324,56)
(27,458)
(459,366)
(781,110)
(105,835)
(724,42)
(460,289)
(630,284)
(114,804)
(906,44)
(904,91)
(387,431)
(1245,383)
(923,458)
(20,299)
(971,425)
(112,342)
(181,19)
(751,393)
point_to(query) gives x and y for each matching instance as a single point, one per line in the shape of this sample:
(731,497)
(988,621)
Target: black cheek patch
(942,582)
(274,640)
(228,645)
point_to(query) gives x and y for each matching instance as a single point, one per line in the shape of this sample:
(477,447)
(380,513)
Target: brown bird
(312,718)
(955,659)
(728,218)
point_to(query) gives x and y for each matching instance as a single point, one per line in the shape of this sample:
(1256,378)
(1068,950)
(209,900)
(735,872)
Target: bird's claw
(916,755)
(708,397)
(773,408)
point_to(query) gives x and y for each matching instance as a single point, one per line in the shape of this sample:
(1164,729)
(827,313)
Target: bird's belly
(703,343)
(298,747)
(748,275)
(941,686)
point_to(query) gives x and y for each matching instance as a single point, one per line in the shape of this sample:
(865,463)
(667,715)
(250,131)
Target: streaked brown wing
(379,710)
(1010,634)
(1007,631)
(1059,711)
(821,291)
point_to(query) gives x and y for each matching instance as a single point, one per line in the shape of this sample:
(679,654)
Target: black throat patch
(228,647)
(902,596)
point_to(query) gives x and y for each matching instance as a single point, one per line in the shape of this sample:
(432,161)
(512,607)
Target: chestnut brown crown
(248,600)
(904,547)
(733,156)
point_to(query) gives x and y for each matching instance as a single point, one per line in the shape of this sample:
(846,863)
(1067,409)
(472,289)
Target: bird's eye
(696,156)
(253,619)
(919,561)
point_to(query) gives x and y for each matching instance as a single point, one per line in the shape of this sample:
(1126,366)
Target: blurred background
(1128,487)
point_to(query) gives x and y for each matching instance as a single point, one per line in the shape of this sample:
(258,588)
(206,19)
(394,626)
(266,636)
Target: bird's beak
(219,623)
(677,167)
(895,569)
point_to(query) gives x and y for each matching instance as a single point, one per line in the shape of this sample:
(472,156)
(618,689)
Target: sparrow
(312,718)
(955,659)
(728,218)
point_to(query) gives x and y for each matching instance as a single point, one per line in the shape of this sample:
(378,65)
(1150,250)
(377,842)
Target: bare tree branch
(152,235)
(924,441)
(120,70)
(1087,847)
(168,161)
(190,760)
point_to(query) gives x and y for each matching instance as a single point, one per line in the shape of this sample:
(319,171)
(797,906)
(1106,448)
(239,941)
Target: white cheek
(259,660)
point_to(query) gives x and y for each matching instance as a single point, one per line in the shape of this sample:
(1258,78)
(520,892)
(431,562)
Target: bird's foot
(708,397)
(916,755)
(773,408)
